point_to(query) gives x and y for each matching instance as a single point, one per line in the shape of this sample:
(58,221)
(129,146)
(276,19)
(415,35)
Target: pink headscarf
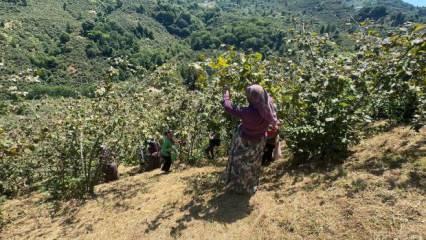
(262,102)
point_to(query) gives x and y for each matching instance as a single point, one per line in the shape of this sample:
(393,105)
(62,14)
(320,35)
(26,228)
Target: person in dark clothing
(110,171)
(271,144)
(214,142)
(150,157)
(108,165)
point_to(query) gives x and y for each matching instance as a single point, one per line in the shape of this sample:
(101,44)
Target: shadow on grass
(122,190)
(209,203)
(164,214)
(222,208)
(320,172)
(65,213)
(410,159)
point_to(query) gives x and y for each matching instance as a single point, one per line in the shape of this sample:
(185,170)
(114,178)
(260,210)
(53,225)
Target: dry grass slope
(377,193)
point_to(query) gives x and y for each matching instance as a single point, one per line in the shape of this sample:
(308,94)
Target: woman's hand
(278,125)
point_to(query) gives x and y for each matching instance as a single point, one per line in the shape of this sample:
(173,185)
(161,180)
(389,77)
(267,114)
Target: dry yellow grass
(377,193)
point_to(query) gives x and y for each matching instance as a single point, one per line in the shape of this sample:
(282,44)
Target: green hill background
(65,47)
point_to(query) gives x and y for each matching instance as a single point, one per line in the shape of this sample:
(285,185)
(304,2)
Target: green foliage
(325,98)
(398,19)
(92,50)
(204,39)
(73,162)
(43,60)
(40,91)
(165,18)
(149,59)
(325,92)
(358,185)
(374,13)
(324,116)
(65,155)
(17,143)
(140,9)
(194,76)
(2,223)
(87,26)
(112,29)
(237,70)
(176,20)
(248,34)
(110,38)
(3,108)
(394,72)
(143,32)
(64,38)
(318,104)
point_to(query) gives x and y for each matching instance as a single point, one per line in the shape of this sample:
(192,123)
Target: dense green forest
(66,52)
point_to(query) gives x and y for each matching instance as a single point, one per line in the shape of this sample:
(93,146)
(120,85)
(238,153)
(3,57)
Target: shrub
(320,105)
(165,18)
(4,107)
(92,51)
(64,38)
(140,9)
(143,32)
(87,26)
(395,75)
(40,91)
(324,120)
(18,162)
(374,13)
(194,76)
(72,153)
(44,61)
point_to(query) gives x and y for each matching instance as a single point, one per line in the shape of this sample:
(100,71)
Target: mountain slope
(378,193)
(47,37)
(74,43)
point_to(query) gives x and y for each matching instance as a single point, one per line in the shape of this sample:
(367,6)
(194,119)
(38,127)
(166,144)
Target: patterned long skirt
(244,164)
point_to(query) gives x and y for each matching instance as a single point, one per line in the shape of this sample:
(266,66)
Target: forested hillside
(65,47)
(85,80)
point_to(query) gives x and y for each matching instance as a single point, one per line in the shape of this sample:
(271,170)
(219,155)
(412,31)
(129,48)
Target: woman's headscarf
(262,102)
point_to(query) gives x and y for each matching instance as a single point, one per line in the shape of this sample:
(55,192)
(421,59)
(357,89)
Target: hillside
(377,193)
(87,85)
(60,52)
(72,47)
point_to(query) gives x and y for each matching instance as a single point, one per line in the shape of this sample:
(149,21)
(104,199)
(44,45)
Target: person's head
(103,149)
(169,133)
(256,94)
(262,102)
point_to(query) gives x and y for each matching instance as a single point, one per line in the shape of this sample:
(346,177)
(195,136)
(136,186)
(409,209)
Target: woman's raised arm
(227,104)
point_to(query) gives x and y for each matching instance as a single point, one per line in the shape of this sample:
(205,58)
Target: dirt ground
(378,192)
